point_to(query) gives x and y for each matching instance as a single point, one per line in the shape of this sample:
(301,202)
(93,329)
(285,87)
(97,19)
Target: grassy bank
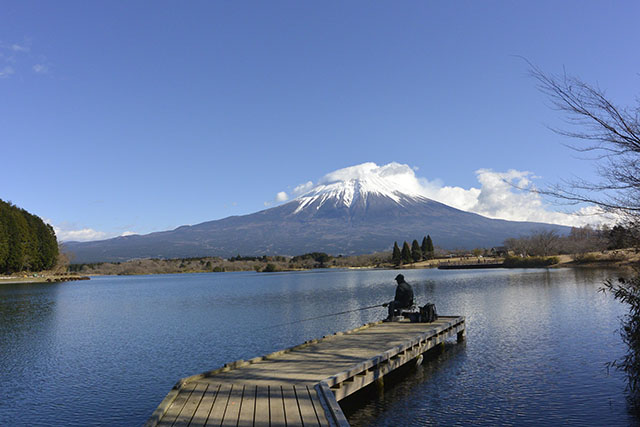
(379,260)
(40,278)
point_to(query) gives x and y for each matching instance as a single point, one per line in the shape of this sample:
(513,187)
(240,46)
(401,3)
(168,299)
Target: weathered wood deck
(302,385)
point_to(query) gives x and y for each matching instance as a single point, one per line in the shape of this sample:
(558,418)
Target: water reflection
(108,350)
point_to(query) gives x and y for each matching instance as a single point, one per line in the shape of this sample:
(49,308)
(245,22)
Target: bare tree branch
(610,132)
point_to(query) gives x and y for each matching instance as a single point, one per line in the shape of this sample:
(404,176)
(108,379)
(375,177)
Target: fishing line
(320,317)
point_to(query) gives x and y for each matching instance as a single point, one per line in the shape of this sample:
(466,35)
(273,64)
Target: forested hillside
(26,242)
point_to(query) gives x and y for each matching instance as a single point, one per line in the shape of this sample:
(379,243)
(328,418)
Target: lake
(107,351)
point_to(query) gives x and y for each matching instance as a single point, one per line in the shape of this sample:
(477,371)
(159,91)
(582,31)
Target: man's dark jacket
(404,294)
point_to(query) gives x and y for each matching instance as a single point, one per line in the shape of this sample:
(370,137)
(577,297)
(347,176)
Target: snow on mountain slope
(355,210)
(356,184)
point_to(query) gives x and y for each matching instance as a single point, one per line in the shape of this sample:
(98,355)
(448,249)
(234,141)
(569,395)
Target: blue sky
(137,117)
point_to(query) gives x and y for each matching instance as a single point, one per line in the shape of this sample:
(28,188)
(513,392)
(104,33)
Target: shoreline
(620,259)
(33,280)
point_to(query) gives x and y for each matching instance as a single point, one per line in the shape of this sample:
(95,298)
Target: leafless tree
(610,132)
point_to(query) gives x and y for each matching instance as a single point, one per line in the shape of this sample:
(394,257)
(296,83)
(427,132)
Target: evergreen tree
(425,248)
(416,252)
(406,253)
(26,242)
(430,249)
(396,258)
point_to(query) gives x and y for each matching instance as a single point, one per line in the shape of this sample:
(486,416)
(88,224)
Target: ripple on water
(107,351)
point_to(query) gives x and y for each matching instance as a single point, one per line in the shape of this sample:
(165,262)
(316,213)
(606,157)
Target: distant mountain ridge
(350,213)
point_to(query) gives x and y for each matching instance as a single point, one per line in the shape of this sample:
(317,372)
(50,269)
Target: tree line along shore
(27,243)
(584,247)
(29,253)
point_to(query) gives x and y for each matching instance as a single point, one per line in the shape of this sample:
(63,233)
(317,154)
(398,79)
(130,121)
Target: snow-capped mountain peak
(345,187)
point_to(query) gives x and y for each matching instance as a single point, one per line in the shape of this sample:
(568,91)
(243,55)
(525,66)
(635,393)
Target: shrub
(270,268)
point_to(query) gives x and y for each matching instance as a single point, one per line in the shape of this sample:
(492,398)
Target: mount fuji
(355,210)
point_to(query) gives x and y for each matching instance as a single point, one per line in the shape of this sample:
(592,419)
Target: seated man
(403,299)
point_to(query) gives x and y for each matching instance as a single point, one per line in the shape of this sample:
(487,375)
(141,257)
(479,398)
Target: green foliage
(406,253)
(26,242)
(427,247)
(246,258)
(416,252)
(396,257)
(627,291)
(529,262)
(270,268)
(320,257)
(619,237)
(430,249)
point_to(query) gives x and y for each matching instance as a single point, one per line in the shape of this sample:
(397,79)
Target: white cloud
(19,48)
(82,235)
(6,71)
(498,194)
(68,232)
(40,69)
(17,58)
(128,233)
(302,188)
(283,196)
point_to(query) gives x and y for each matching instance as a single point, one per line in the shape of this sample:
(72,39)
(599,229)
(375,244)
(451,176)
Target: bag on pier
(428,313)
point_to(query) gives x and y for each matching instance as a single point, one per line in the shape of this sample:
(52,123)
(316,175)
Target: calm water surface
(107,351)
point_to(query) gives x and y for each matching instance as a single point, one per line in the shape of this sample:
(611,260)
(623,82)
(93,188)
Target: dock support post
(380,385)
(418,360)
(462,335)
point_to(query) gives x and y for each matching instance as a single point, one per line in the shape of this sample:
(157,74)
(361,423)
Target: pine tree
(26,242)
(430,249)
(396,258)
(425,248)
(406,253)
(416,252)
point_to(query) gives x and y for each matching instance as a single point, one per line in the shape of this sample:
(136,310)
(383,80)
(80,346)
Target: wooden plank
(262,407)
(276,407)
(291,409)
(305,404)
(177,405)
(204,408)
(157,415)
(325,393)
(247,410)
(260,392)
(219,406)
(230,417)
(189,409)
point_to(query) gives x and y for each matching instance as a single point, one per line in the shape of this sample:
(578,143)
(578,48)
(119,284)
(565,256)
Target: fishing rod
(323,316)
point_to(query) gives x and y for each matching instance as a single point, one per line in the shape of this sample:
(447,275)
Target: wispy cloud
(6,71)
(18,59)
(67,232)
(20,47)
(40,69)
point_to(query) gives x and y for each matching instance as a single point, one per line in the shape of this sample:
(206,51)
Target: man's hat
(399,277)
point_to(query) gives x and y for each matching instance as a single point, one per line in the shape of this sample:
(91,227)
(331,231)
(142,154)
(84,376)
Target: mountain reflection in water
(107,351)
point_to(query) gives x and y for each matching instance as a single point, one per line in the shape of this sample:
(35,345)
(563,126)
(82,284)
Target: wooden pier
(301,386)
